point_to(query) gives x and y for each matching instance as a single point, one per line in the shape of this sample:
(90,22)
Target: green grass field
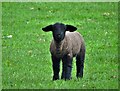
(26,61)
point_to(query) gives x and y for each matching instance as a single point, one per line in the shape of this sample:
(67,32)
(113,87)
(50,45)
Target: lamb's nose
(58,35)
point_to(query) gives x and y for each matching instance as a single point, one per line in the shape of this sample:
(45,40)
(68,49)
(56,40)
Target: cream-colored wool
(70,45)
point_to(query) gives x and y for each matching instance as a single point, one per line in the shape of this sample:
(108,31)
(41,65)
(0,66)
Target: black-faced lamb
(65,45)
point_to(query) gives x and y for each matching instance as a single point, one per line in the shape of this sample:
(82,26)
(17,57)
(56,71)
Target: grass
(26,58)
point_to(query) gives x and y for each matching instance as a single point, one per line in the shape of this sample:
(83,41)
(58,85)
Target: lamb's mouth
(58,40)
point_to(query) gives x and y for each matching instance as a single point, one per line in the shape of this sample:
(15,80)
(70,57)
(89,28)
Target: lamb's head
(58,30)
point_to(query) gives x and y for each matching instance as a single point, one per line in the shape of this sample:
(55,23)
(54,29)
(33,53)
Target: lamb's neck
(59,45)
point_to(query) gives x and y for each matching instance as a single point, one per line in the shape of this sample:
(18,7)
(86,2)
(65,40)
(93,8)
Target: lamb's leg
(80,63)
(56,67)
(67,67)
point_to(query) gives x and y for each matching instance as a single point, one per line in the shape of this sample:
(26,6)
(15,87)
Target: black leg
(56,67)
(66,67)
(80,63)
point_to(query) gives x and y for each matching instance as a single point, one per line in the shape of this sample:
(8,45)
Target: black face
(59,32)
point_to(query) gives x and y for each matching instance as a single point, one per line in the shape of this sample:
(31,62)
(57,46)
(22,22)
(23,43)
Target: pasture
(26,60)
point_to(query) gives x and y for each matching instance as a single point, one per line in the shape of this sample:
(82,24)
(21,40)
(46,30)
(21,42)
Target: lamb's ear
(48,28)
(70,28)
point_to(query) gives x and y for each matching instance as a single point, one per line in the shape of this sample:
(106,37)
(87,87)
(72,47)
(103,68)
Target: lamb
(65,45)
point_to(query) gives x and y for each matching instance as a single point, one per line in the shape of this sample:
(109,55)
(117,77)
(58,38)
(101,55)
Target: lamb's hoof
(79,75)
(55,78)
(66,78)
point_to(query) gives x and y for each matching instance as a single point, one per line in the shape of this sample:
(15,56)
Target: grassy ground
(26,59)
